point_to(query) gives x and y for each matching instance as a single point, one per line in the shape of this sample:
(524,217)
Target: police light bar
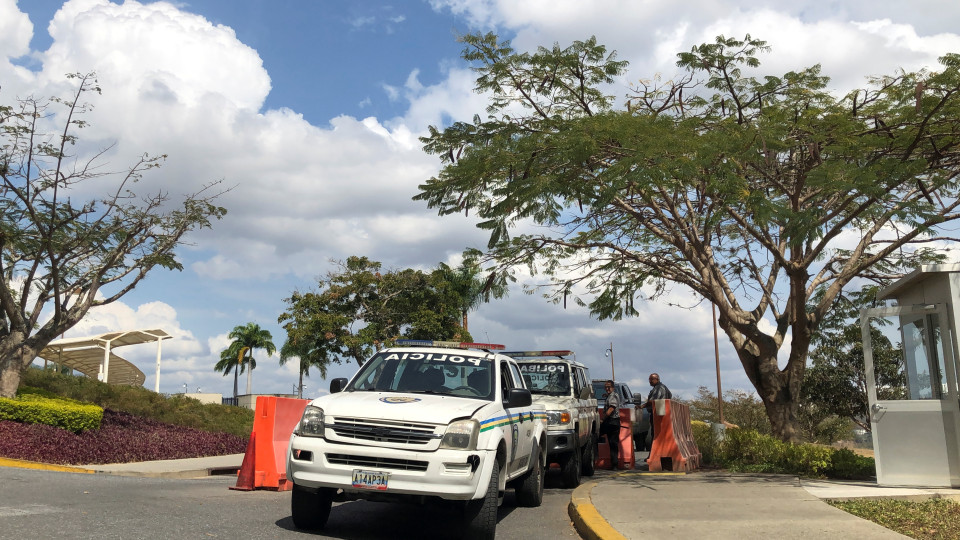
(535,354)
(449,344)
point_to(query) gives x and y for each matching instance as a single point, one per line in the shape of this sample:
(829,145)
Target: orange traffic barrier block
(673,446)
(264,464)
(603,454)
(627,457)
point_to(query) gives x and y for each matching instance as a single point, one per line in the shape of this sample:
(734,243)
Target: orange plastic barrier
(264,464)
(673,446)
(627,458)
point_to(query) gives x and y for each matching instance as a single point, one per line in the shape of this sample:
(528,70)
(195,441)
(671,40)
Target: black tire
(570,470)
(481,515)
(589,461)
(530,487)
(310,509)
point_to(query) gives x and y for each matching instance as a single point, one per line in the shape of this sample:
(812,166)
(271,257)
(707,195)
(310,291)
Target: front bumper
(561,442)
(447,474)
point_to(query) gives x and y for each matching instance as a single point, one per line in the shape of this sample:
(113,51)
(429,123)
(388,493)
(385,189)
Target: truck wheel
(310,509)
(481,515)
(530,488)
(589,461)
(570,472)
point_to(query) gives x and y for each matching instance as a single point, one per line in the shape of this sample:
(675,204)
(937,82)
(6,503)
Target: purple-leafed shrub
(122,438)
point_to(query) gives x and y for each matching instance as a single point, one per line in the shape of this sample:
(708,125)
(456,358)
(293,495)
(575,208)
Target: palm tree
(473,291)
(310,354)
(230,360)
(239,355)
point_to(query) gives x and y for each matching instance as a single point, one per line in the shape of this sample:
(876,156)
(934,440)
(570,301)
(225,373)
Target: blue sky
(310,111)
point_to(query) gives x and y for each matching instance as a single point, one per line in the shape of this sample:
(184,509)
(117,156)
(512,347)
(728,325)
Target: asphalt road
(42,504)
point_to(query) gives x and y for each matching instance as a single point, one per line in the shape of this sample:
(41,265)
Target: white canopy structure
(93,355)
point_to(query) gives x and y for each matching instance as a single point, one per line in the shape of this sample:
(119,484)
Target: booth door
(913,402)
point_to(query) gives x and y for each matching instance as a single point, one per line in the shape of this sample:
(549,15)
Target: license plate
(370,479)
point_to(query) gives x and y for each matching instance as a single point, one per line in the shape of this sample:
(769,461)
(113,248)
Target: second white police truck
(427,421)
(562,386)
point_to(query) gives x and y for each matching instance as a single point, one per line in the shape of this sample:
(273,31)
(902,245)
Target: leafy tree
(740,408)
(836,381)
(739,188)
(63,253)
(238,356)
(358,308)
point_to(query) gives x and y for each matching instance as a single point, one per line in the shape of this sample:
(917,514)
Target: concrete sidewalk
(636,504)
(171,468)
(174,468)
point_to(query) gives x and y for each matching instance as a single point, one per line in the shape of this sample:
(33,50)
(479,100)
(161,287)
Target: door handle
(877,407)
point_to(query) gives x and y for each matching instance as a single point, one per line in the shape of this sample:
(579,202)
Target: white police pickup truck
(562,386)
(425,421)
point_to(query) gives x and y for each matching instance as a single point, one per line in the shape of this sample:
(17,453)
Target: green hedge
(749,451)
(31,408)
(138,401)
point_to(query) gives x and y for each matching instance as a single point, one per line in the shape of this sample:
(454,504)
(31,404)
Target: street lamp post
(610,354)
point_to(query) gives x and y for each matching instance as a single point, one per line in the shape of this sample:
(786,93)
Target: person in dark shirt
(659,391)
(610,421)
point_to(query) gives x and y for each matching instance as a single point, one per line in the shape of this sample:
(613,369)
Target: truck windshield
(459,374)
(601,393)
(546,378)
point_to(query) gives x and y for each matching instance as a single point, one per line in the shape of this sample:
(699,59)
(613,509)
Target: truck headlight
(557,418)
(461,435)
(311,423)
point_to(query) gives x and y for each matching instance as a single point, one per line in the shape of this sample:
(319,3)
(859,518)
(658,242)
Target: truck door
(518,451)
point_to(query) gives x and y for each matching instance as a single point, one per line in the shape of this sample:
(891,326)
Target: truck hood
(552,402)
(426,408)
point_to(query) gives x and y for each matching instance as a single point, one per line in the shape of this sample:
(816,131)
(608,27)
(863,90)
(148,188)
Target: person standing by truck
(658,391)
(610,423)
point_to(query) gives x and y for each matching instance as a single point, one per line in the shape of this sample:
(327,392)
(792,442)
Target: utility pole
(609,353)
(716,352)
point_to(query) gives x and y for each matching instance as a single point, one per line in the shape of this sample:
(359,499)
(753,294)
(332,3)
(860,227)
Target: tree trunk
(15,356)
(778,389)
(782,412)
(236,375)
(9,377)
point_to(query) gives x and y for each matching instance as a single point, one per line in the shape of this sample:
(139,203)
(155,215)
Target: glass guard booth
(911,379)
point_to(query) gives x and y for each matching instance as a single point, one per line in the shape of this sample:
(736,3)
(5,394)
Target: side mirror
(586,392)
(338,384)
(519,397)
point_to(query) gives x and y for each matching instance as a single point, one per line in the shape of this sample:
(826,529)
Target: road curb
(23,464)
(186,474)
(586,519)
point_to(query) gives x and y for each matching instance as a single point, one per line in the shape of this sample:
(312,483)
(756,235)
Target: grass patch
(933,519)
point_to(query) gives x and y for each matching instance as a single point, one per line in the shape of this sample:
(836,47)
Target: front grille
(377,462)
(382,431)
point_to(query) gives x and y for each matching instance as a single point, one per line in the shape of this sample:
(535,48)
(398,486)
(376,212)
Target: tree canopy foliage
(755,192)
(61,251)
(359,308)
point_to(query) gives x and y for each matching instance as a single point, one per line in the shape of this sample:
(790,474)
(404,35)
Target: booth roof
(86,354)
